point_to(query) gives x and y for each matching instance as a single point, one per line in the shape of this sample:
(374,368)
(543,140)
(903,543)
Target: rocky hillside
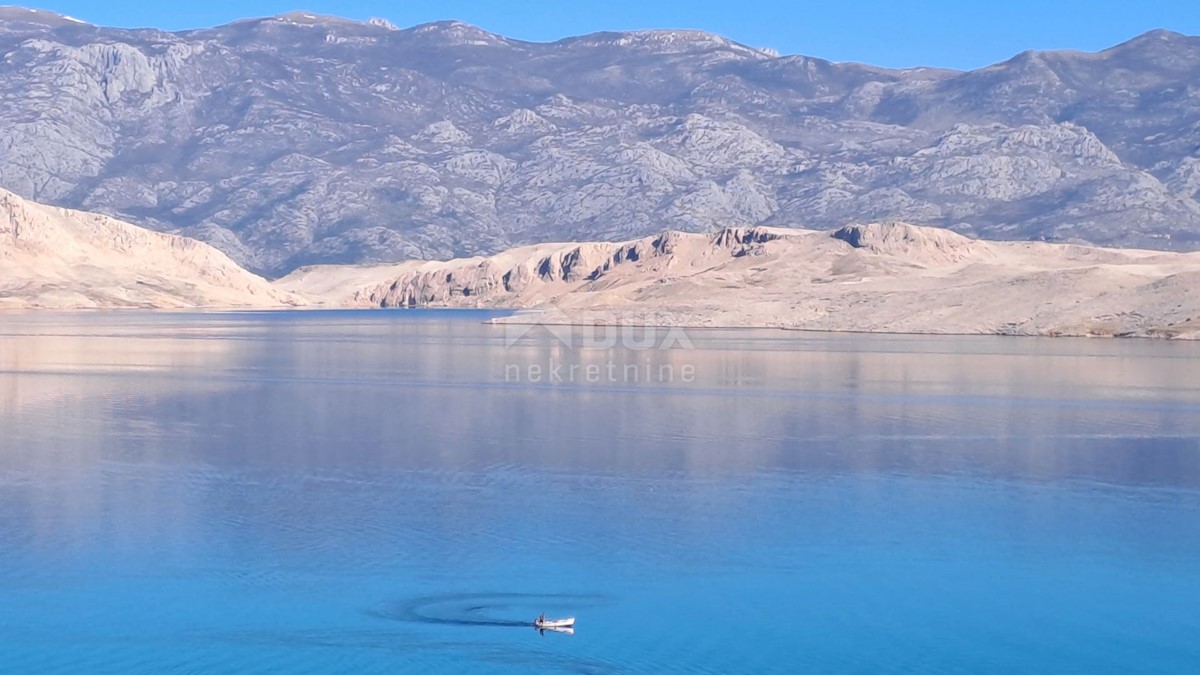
(301,139)
(57,258)
(879,277)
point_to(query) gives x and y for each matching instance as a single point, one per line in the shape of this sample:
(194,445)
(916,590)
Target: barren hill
(879,277)
(58,258)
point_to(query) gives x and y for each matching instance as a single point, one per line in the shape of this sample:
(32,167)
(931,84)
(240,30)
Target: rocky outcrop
(920,245)
(524,276)
(875,277)
(303,139)
(57,258)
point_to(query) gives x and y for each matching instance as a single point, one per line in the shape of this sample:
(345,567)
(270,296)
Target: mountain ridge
(287,142)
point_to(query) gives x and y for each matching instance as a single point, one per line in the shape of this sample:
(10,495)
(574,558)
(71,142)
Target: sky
(897,34)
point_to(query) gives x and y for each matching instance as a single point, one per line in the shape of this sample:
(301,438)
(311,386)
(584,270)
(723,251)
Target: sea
(406,490)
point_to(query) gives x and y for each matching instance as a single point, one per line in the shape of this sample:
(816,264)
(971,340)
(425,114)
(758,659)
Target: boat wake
(483,609)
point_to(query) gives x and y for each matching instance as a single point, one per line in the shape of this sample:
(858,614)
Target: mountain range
(300,139)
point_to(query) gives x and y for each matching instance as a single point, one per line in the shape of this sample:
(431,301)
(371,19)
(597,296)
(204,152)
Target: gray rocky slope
(304,139)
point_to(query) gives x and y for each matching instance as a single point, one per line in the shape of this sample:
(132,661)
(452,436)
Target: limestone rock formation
(875,277)
(57,258)
(302,139)
(915,244)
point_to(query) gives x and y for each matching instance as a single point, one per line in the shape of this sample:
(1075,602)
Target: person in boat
(541,618)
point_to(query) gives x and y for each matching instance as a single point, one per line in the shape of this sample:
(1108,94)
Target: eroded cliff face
(58,258)
(879,277)
(538,273)
(303,139)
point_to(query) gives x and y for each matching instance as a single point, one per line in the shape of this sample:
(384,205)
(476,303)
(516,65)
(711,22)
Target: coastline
(514,318)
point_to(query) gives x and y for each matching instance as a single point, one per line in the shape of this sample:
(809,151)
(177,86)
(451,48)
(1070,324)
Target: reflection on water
(375,491)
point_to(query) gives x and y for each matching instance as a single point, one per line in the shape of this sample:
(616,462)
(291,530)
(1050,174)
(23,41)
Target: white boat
(543,622)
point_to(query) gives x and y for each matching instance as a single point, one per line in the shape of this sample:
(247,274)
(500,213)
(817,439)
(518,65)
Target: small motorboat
(543,622)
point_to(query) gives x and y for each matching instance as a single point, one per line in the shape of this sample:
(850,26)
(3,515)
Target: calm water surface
(392,491)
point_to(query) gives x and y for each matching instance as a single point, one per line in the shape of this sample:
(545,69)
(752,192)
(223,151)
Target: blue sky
(897,34)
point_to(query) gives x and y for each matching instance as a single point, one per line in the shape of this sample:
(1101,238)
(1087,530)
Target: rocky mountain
(57,258)
(877,277)
(301,139)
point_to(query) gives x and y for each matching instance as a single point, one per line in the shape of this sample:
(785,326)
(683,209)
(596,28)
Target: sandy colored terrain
(58,258)
(882,277)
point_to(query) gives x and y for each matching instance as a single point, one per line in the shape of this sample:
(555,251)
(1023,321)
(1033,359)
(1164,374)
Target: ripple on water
(484,609)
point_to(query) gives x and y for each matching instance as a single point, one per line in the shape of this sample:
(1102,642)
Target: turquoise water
(380,492)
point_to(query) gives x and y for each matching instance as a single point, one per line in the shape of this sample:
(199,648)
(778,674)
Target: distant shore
(863,278)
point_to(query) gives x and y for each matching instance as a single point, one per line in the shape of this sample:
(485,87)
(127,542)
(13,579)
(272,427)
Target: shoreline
(848,331)
(514,313)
